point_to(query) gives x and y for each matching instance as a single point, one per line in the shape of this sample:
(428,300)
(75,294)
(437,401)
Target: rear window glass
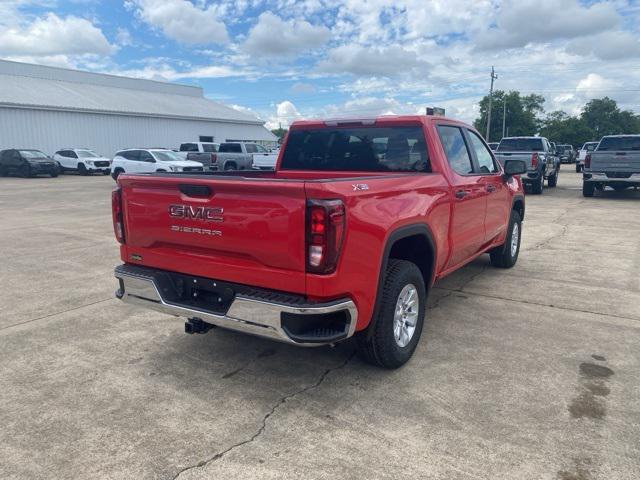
(208,147)
(230,148)
(189,147)
(32,154)
(369,149)
(620,143)
(590,147)
(521,145)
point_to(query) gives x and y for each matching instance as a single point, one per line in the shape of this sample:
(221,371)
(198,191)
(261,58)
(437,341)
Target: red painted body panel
(263,226)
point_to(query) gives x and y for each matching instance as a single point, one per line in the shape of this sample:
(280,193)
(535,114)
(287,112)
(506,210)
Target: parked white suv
(149,160)
(82,160)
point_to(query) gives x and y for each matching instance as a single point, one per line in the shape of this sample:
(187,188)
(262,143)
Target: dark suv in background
(26,163)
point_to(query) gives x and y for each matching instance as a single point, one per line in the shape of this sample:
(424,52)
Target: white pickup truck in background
(614,163)
(266,160)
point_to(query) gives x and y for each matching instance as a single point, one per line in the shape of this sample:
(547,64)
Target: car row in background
(229,155)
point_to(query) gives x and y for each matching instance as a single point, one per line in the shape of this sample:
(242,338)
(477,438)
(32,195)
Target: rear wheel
(578,168)
(116,173)
(230,166)
(506,255)
(553,179)
(394,333)
(587,189)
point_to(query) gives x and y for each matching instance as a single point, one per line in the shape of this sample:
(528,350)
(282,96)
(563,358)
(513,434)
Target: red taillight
(325,232)
(116,211)
(587,161)
(214,158)
(534,160)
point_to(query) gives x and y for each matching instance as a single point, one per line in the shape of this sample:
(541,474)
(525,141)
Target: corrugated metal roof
(24,88)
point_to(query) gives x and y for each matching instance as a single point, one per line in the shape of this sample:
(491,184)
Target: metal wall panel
(49,131)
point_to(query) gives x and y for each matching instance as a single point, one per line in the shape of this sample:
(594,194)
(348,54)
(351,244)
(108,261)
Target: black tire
(587,189)
(3,171)
(553,180)
(377,344)
(25,170)
(229,166)
(106,172)
(536,187)
(503,256)
(82,170)
(578,168)
(116,173)
(54,173)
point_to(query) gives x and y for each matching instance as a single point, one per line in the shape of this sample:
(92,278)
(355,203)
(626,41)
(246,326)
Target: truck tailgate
(504,156)
(623,162)
(237,229)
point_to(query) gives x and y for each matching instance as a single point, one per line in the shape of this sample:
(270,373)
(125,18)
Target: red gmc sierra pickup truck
(345,238)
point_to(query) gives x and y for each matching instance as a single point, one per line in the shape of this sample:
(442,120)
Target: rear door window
(455,148)
(208,147)
(369,149)
(132,155)
(251,148)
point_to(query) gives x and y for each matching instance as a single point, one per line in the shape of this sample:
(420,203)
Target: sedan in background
(82,160)
(26,163)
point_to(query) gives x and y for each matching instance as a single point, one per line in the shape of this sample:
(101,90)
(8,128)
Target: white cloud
(355,59)
(286,112)
(123,37)
(607,45)
(300,87)
(181,20)
(51,36)
(272,36)
(523,22)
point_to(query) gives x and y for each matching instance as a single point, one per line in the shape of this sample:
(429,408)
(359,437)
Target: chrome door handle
(491,188)
(461,194)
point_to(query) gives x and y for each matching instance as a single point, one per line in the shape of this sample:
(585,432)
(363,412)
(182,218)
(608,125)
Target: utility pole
(504,114)
(493,77)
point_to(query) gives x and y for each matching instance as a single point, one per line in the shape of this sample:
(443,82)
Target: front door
(467,232)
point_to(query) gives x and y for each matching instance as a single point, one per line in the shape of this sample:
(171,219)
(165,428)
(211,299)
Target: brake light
(587,161)
(214,158)
(116,210)
(325,233)
(534,160)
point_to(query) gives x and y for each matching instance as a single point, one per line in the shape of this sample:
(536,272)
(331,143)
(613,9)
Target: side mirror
(514,167)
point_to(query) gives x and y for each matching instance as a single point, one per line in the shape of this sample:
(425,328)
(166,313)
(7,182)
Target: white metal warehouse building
(49,108)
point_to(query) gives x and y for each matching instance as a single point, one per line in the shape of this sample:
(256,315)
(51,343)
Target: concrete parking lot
(528,373)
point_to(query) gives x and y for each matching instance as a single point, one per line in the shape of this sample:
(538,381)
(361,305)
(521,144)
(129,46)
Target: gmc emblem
(189,212)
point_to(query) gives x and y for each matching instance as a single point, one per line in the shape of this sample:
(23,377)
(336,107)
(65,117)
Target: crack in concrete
(527,302)
(55,313)
(269,414)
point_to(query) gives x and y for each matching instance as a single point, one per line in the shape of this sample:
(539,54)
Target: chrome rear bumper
(138,286)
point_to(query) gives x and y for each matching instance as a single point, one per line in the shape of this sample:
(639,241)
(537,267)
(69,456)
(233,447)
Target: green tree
(522,114)
(604,117)
(562,128)
(279,132)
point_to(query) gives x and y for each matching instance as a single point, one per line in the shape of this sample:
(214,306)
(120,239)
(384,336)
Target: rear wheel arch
(413,243)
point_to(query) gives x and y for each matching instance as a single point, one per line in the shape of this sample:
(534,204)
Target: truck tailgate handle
(195,190)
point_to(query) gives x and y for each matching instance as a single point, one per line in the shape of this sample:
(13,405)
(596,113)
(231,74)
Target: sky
(283,60)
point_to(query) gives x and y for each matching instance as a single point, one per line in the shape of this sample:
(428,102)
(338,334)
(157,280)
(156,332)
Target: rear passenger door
(467,230)
(131,160)
(498,206)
